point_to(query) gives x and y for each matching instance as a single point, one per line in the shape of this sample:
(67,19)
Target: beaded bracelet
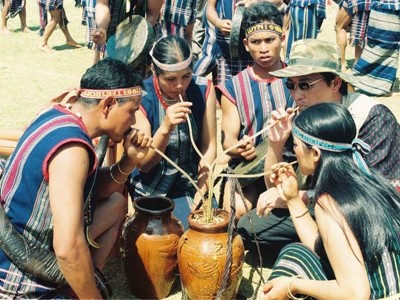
(289,292)
(113,178)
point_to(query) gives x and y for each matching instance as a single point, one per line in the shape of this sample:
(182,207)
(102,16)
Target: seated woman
(352,249)
(165,117)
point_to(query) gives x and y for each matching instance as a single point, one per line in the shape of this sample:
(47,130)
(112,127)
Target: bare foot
(5,31)
(74,44)
(45,48)
(344,67)
(25,30)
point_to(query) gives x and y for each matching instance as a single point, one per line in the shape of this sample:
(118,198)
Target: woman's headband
(172,67)
(357,146)
(263,27)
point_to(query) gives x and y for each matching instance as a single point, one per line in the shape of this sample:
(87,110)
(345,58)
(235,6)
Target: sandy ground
(30,77)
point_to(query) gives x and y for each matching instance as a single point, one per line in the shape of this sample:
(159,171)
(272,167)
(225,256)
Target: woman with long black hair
(352,248)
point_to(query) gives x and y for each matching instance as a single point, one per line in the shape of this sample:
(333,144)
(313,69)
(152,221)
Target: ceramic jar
(149,247)
(202,253)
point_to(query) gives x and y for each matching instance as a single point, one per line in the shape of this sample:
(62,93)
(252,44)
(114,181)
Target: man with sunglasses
(314,76)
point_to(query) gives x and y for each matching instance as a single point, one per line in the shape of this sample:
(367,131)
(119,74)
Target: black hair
(354,192)
(328,77)
(260,12)
(257,13)
(171,50)
(107,74)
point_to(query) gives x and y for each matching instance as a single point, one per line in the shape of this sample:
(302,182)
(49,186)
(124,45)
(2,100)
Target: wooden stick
(280,167)
(261,131)
(191,133)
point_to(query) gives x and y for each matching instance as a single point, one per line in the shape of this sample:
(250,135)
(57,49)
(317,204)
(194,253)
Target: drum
(132,41)
(253,166)
(236,46)
(235,42)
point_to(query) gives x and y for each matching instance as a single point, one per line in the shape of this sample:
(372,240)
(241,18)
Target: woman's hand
(284,178)
(275,289)
(176,114)
(246,148)
(269,200)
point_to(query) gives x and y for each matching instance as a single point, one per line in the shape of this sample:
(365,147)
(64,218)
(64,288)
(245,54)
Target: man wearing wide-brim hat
(314,76)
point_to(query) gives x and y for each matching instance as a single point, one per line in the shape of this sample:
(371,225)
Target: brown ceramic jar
(149,247)
(202,253)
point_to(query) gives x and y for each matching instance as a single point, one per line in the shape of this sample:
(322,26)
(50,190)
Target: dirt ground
(30,77)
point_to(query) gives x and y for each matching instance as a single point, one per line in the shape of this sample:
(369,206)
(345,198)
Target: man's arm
(68,171)
(230,127)
(222,24)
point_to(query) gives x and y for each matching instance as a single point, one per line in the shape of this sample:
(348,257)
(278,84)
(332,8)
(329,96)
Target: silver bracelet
(113,178)
(122,172)
(289,292)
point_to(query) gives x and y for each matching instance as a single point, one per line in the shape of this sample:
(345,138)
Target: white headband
(172,67)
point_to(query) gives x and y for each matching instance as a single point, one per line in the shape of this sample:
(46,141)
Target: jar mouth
(215,227)
(154,205)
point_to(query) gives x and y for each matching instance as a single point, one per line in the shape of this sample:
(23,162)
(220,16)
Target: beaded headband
(356,146)
(117,93)
(264,27)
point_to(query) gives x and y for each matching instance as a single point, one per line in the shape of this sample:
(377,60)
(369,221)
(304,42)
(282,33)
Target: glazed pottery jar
(149,247)
(202,254)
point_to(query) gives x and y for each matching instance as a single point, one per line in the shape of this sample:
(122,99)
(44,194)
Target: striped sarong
(47,5)
(377,66)
(303,22)
(359,11)
(215,51)
(298,259)
(88,19)
(15,7)
(178,12)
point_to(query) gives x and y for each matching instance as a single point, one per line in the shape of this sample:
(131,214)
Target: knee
(118,207)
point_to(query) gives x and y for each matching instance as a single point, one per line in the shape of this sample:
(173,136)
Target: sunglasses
(304,86)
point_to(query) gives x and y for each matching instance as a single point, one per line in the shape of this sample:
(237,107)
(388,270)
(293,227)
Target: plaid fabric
(178,12)
(215,50)
(164,179)
(358,28)
(15,7)
(303,24)
(359,11)
(378,127)
(168,28)
(88,18)
(118,14)
(297,259)
(227,68)
(377,66)
(24,191)
(255,100)
(44,6)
